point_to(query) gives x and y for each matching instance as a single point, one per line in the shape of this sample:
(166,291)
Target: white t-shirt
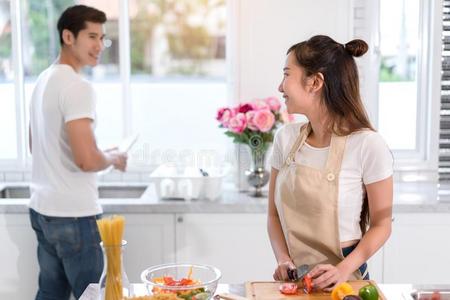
(58,187)
(367,159)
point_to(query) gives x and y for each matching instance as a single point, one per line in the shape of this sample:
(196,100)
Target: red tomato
(186,281)
(288,288)
(169,280)
(307,284)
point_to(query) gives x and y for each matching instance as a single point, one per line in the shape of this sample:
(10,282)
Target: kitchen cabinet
(18,257)
(150,241)
(150,237)
(237,244)
(418,250)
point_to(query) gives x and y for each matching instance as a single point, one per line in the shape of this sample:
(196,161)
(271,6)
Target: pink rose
(273,103)
(224,115)
(250,115)
(244,108)
(260,104)
(264,120)
(238,123)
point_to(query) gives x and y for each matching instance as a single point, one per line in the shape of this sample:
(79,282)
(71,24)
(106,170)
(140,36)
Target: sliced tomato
(288,288)
(307,284)
(169,280)
(186,281)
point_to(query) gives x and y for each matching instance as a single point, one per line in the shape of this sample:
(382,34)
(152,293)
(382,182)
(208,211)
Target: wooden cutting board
(268,290)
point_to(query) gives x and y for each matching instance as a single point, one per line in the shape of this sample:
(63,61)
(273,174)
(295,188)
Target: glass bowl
(186,281)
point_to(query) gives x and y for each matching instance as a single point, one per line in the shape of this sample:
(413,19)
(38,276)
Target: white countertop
(408,198)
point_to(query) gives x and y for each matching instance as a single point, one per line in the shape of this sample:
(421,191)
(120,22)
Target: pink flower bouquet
(253,123)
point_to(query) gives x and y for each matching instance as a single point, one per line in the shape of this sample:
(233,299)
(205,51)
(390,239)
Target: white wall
(267,28)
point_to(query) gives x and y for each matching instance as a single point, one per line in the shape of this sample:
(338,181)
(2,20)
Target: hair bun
(356,47)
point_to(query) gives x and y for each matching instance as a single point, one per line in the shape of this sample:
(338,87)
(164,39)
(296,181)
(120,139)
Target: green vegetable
(368,292)
(191,294)
(202,296)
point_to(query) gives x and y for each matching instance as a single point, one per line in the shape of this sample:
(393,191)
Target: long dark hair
(341,95)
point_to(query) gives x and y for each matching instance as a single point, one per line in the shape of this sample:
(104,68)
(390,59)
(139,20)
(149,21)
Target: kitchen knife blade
(298,273)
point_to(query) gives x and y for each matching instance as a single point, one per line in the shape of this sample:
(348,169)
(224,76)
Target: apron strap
(335,155)
(305,129)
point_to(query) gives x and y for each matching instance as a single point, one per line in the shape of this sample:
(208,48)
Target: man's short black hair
(75,17)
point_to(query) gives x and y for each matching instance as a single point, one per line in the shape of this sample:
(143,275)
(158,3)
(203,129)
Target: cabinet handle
(180,219)
(393,219)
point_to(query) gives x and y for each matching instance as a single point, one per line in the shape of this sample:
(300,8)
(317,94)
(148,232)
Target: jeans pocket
(64,234)
(34,220)
(92,234)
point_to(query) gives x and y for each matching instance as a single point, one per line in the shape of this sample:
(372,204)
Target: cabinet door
(151,241)
(18,258)
(237,244)
(418,250)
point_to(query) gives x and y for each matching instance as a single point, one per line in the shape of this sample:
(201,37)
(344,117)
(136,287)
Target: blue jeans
(363,268)
(69,255)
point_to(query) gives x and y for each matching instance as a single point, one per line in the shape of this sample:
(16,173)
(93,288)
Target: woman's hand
(325,277)
(281,273)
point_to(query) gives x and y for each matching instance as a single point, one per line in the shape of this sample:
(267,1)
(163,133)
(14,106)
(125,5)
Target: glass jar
(114,283)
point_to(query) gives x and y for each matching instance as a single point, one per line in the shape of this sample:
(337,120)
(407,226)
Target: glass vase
(257,175)
(114,283)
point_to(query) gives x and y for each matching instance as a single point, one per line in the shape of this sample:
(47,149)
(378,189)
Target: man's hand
(119,159)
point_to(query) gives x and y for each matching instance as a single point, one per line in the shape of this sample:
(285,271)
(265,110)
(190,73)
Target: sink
(118,191)
(104,191)
(11,192)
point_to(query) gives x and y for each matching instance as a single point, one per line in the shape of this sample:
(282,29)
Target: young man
(63,205)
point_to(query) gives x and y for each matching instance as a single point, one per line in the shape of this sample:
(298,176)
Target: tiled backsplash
(143,176)
(113,176)
(14,176)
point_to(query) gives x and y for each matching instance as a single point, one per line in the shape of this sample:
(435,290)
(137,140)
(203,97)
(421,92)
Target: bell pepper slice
(307,284)
(341,290)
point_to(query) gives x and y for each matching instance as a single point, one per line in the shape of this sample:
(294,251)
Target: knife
(124,146)
(298,273)
(228,296)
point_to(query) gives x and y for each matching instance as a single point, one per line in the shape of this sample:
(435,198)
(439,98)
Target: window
(404,37)
(177,78)
(41,45)
(8,146)
(162,76)
(398,85)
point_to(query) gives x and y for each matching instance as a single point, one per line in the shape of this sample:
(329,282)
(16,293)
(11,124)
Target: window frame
(23,161)
(425,154)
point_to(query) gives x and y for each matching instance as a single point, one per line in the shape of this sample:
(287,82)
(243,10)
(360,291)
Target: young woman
(330,193)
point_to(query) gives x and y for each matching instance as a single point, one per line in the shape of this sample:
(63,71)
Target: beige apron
(307,203)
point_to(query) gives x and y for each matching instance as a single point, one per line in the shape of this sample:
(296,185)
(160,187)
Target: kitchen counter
(408,198)
(390,291)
